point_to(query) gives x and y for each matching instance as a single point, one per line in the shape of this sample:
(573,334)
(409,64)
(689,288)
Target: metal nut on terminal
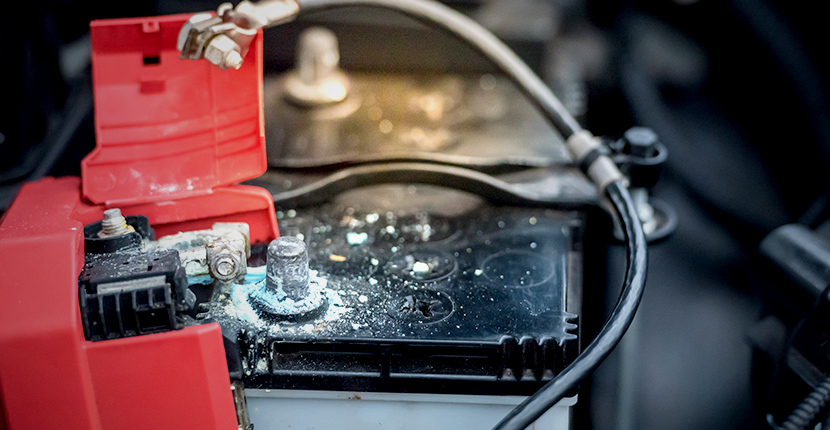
(226,259)
(223,52)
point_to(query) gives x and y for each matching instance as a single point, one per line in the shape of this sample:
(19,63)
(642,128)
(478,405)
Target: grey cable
(613,330)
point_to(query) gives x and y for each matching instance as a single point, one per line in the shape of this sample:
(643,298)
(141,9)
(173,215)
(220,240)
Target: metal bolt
(225,266)
(226,259)
(287,267)
(317,79)
(114,224)
(318,55)
(233,60)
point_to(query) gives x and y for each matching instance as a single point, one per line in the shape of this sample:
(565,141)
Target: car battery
(391,304)
(458,298)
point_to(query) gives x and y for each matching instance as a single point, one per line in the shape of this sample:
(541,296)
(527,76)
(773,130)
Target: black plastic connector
(131,292)
(793,275)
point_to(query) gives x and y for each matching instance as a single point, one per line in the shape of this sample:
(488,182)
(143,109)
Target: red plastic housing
(51,377)
(169,128)
(172,137)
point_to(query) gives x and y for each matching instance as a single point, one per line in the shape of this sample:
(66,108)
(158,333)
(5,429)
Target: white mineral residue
(336,307)
(262,364)
(419,268)
(356,238)
(240,308)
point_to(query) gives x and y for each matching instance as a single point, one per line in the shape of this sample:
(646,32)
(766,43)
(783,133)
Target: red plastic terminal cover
(50,377)
(169,128)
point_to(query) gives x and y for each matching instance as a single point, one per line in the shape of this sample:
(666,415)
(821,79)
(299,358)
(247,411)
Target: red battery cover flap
(174,135)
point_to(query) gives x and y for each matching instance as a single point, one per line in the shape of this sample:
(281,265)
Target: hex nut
(223,52)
